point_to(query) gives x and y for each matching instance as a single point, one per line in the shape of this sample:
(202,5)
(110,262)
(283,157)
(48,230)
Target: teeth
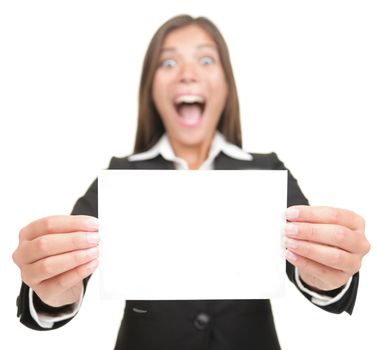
(190,99)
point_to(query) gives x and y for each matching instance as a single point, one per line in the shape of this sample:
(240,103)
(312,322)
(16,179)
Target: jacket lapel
(223,162)
(153,164)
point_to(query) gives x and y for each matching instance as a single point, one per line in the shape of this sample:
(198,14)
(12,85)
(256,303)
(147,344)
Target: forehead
(191,35)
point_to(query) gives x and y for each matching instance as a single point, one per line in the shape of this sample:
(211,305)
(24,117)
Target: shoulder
(120,163)
(257,161)
(128,162)
(267,159)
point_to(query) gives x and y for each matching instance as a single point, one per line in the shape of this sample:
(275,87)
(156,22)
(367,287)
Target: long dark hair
(150,127)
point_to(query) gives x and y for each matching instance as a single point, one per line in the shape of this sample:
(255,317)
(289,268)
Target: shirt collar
(219,144)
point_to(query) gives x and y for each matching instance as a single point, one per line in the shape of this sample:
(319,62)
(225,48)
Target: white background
(308,82)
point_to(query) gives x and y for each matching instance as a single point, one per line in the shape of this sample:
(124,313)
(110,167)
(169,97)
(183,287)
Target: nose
(188,73)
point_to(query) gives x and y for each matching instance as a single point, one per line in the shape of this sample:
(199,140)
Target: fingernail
(291,229)
(292,213)
(291,243)
(92,223)
(290,256)
(93,237)
(92,252)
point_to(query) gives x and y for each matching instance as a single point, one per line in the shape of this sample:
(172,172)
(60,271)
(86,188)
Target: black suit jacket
(198,324)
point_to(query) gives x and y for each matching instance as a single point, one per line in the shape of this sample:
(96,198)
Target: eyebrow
(198,47)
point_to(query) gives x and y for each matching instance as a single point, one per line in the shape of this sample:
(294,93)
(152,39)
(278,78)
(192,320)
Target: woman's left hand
(325,244)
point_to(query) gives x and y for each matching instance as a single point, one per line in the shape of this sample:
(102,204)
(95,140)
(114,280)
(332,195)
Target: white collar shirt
(219,144)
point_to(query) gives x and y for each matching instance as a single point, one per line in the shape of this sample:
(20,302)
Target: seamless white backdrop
(308,83)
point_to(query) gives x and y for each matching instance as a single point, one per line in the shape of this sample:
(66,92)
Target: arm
(336,297)
(326,245)
(54,255)
(33,315)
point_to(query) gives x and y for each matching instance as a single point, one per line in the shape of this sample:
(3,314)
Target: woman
(189,119)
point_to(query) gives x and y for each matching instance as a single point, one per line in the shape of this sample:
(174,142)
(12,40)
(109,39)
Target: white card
(174,235)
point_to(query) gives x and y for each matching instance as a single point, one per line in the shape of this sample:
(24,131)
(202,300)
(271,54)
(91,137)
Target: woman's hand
(325,244)
(55,254)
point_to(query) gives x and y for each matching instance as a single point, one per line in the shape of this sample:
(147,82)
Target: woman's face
(189,87)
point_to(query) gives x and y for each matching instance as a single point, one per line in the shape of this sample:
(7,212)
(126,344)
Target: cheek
(160,97)
(155,89)
(158,92)
(219,89)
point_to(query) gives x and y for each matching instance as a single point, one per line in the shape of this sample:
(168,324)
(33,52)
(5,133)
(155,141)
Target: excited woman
(189,119)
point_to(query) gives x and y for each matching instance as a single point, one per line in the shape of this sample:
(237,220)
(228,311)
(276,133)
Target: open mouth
(190,109)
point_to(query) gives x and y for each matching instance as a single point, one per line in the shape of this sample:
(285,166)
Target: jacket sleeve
(346,303)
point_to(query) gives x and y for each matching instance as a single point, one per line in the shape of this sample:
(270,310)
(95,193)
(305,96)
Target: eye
(206,60)
(168,63)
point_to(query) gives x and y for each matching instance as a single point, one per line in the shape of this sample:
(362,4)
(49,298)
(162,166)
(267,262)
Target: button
(201,321)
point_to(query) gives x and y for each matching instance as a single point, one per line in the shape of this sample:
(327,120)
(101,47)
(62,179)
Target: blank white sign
(169,234)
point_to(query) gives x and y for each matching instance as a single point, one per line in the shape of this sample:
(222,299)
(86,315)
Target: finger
(323,277)
(57,264)
(63,282)
(58,224)
(55,244)
(333,235)
(326,215)
(325,255)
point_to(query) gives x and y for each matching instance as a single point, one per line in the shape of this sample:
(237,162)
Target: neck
(194,155)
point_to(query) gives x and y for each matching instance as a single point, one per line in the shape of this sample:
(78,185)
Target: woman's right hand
(55,254)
